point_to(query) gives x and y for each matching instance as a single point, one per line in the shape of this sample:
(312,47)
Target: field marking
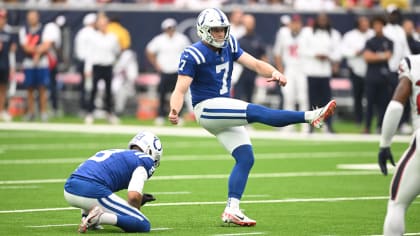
(255,195)
(39,210)
(408,234)
(238,234)
(65,225)
(288,200)
(216,157)
(373,166)
(217,176)
(171,193)
(19,187)
(49,226)
(189,132)
(38,181)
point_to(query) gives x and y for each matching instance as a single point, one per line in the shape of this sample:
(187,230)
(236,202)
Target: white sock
(108,219)
(309,115)
(233,203)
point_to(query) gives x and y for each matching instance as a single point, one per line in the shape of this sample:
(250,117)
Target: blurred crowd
(195,4)
(309,51)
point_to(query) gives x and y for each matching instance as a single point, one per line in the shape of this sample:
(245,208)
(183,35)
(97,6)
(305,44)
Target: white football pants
(405,187)
(225,118)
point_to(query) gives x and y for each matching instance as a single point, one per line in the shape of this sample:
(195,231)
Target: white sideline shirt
(353,42)
(397,35)
(83,41)
(168,50)
(103,52)
(319,42)
(287,47)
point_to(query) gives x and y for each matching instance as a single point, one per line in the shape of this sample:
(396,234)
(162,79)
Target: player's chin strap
(390,123)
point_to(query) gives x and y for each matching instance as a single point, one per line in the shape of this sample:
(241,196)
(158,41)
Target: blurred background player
(404,187)
(252,43)
(395,32)
(320,51)
(162,51)
(126,67)
(206,68)
(7,62)
(82,44)
(92,186)
(99,66)
(52,32)
(35,64)
(288,60)
(377,52)
(353,44)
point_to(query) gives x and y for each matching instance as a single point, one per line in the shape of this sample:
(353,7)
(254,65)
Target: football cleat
(236,216)
(321,114)
(92,220)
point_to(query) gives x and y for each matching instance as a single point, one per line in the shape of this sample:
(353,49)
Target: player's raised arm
(177,97)
(262,68)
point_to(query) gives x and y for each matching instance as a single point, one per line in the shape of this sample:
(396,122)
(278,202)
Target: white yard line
(291,200)
(65,225)
(34,181)
(239,234)
(216,176)
(171,193)
(215,157)
(19,187)
(49,226)
(407,234)
(190,132)
(255,195)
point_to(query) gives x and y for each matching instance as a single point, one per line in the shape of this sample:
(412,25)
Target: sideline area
(191,132)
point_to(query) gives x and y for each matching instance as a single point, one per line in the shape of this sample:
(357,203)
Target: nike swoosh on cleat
(240,217)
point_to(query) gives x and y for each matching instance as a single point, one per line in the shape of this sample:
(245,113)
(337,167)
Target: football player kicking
(405,185)
(92,185)
(206,68)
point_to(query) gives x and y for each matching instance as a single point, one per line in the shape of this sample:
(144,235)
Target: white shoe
(92,220)
(237,217)
(160,121)
(321,114)
(113,119)
(89,119)
(44,117)
(6,117)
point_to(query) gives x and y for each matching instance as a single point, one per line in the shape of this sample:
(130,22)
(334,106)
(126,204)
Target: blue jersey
(114,168)
(211,71)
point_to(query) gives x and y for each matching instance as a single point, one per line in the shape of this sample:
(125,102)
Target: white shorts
(225,118)
(111,204)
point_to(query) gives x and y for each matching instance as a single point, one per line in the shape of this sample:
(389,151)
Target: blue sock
(131,224)
(272,117)
(244,157)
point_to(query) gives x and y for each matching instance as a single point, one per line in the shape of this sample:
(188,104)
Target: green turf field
(296,187)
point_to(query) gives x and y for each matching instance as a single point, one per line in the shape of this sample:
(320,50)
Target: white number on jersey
(183,62)
(225,69)
(103,155)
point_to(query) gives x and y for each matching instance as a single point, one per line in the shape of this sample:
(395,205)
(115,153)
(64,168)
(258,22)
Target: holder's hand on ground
(173,117)
(277,76)
(147,197)
(383,156)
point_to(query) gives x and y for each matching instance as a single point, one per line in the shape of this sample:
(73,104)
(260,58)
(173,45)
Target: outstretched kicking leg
(228,112)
